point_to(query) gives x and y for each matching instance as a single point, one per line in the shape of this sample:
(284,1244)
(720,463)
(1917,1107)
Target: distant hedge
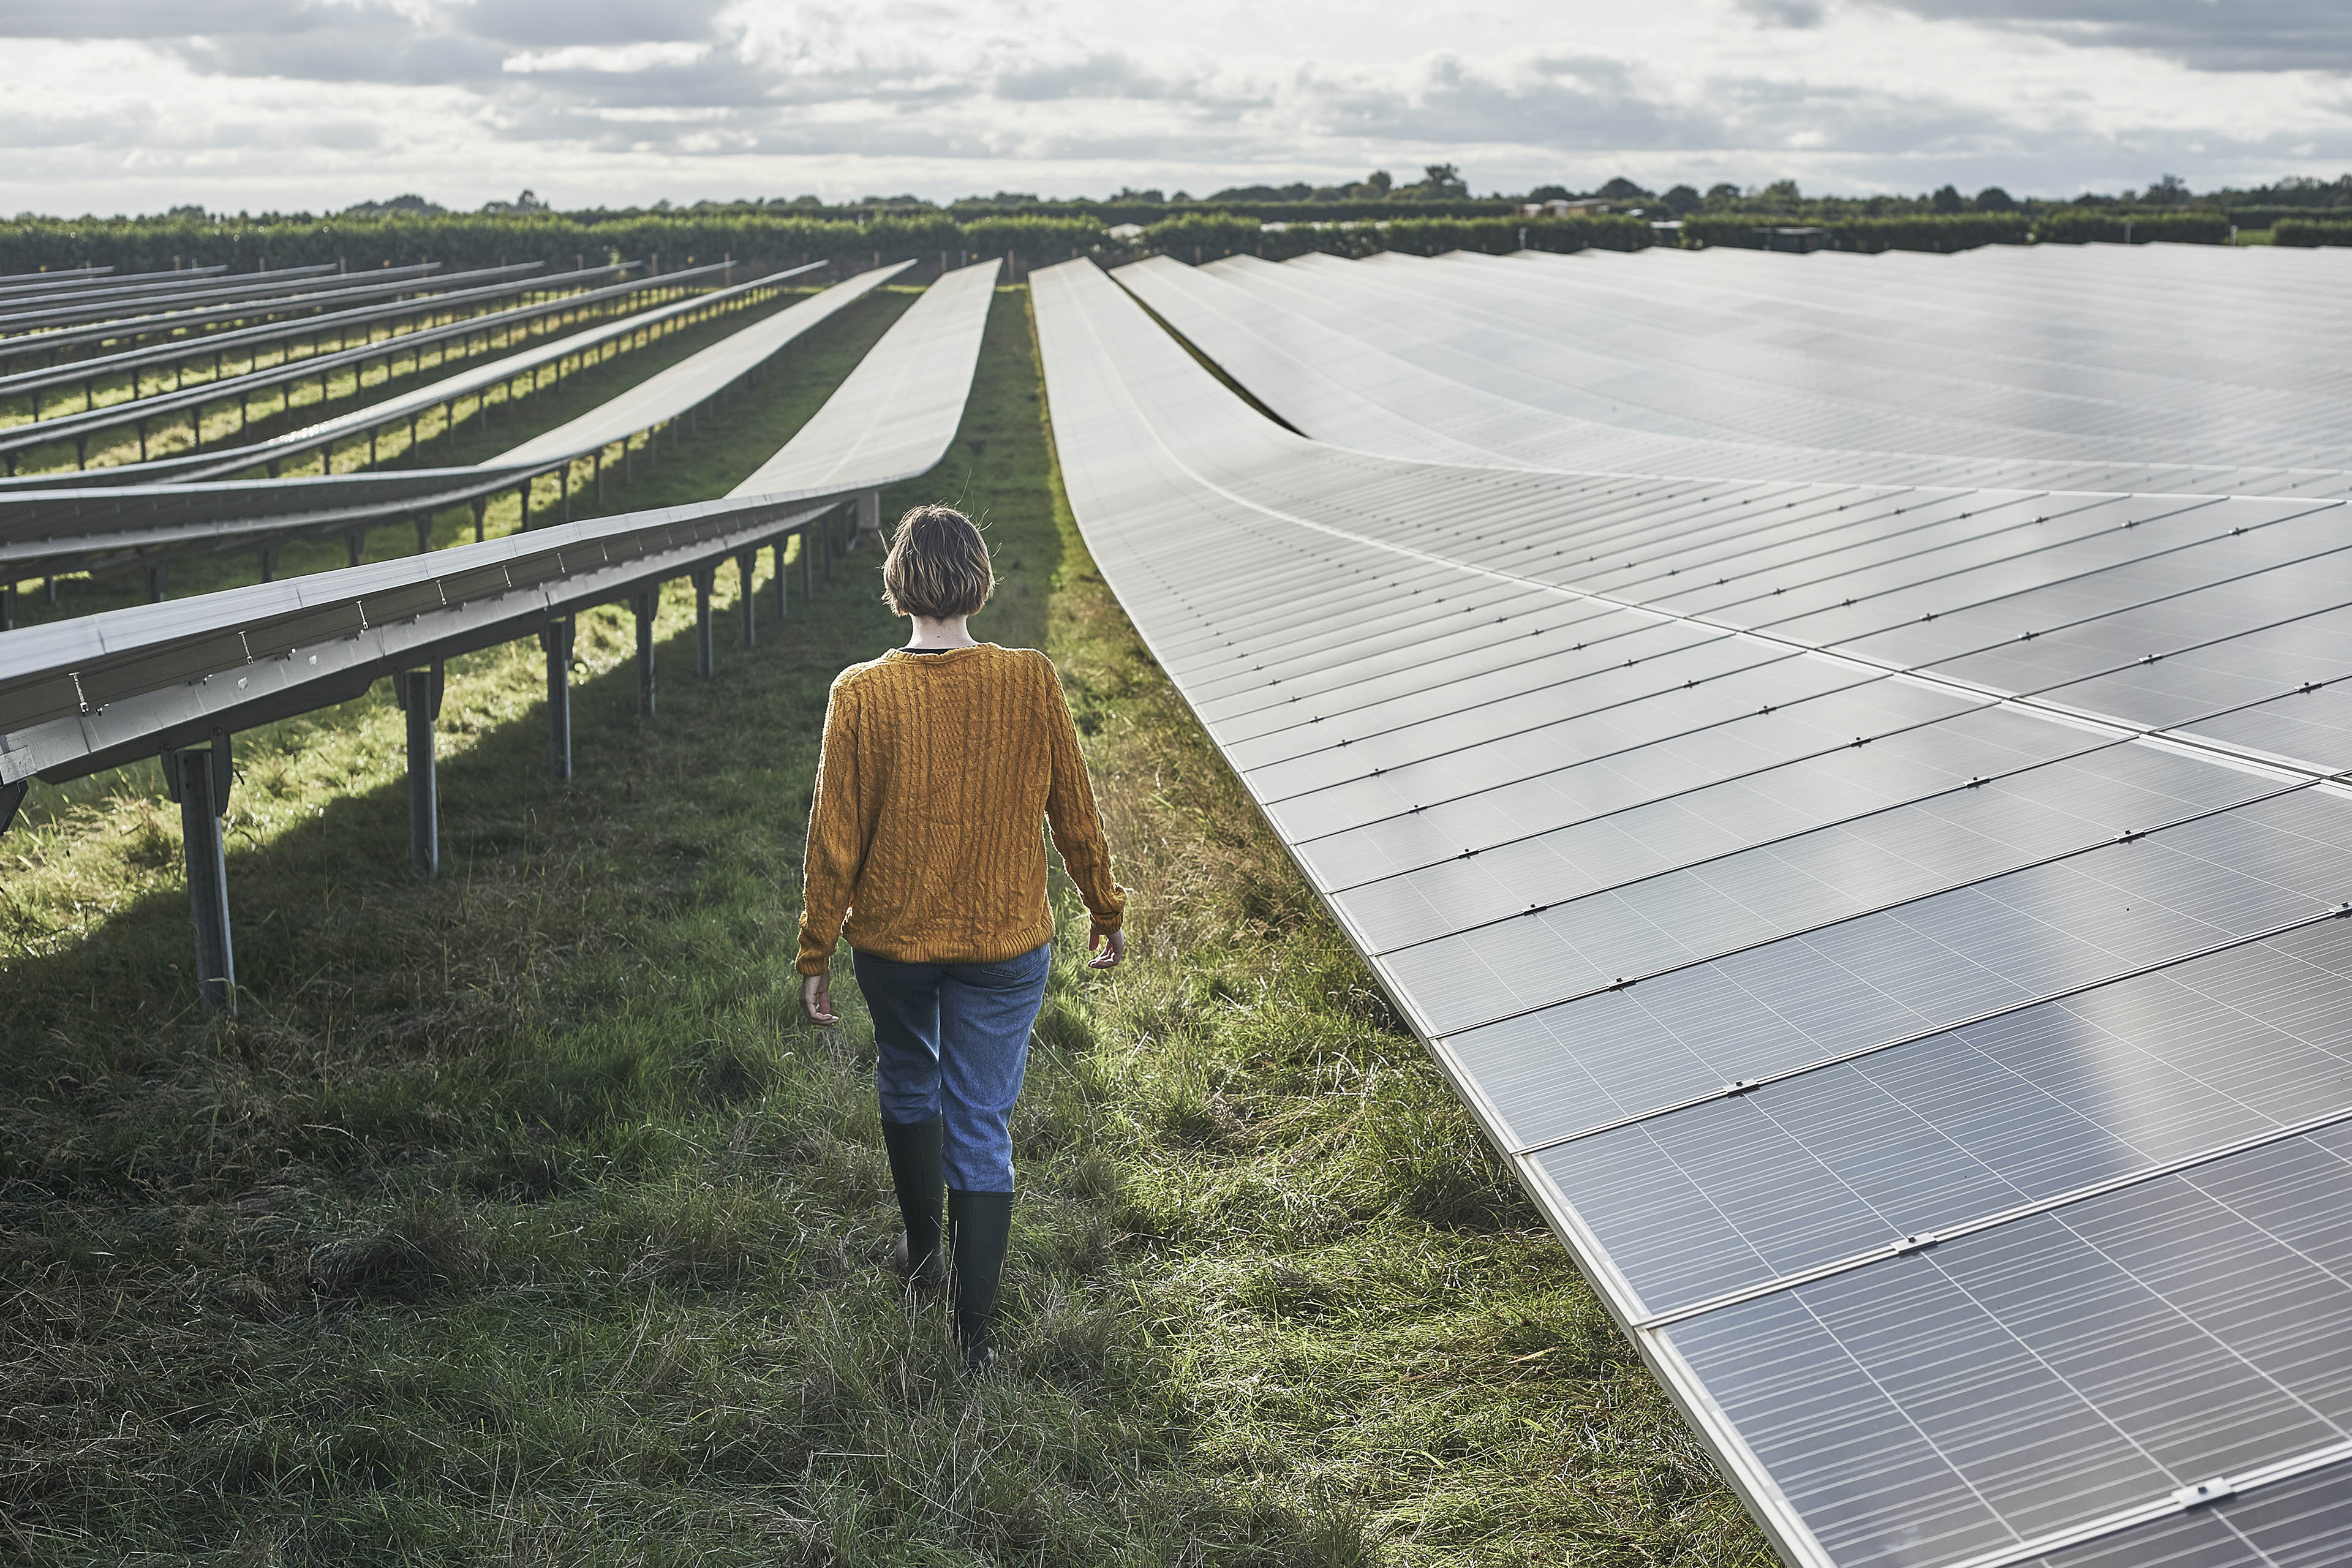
(2264,217)
(2310,231)
(1961,231)
(144,245)
(1204,236)
(770,240)
(2078,225)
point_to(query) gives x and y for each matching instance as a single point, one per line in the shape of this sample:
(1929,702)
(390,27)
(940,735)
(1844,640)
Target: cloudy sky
(136,105)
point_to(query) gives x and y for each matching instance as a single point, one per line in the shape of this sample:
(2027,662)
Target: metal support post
(425,534)
(869,519)
(268,563)
(418,692)
(198,778)
(744,565)
(481,505)
(781,607)
(556,638)
(352,544)
(597,468)
(523,497)
(159,578)
(706,658)
(7,606)
(648,604)
(808,564)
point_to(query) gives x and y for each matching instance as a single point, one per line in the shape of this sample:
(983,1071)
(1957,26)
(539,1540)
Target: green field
(517,1219)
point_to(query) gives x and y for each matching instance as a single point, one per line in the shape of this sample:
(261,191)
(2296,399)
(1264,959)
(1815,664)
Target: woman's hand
(1108,946)
(816,999)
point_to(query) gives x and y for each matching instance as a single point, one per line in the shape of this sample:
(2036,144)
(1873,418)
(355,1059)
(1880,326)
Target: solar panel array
(95,691)
(189,507)
(1895,931)
(192,399)
(2025,368)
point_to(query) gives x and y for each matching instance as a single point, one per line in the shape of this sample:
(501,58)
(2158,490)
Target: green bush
(1033,239)
(2310,231)
(1959,231)
(2078,225)
(1147,213)
(1203,237)
(1207,236)
(1428,236)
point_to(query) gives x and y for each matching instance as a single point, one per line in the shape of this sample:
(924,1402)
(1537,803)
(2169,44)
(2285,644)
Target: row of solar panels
(1897,933)
(338,312)
(179,678)
(189,401)
(2031,372)
(83,277)
(183,506)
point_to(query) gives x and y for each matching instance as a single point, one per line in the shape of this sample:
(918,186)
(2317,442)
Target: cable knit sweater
(935,772)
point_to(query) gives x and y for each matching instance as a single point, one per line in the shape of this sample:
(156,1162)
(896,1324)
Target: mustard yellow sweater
(937,769)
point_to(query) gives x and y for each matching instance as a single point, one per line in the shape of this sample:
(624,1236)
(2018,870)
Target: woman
(939,759)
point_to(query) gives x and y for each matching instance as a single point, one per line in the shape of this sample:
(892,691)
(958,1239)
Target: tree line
(771,236)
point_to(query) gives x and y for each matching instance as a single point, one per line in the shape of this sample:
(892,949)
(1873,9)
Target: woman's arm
(1076,825)
(836,836)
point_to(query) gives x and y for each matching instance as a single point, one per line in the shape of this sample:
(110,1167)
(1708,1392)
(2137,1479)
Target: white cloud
(608,59)
(138,104)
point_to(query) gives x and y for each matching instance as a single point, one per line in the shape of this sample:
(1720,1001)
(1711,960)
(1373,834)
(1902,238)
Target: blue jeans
(954,1040)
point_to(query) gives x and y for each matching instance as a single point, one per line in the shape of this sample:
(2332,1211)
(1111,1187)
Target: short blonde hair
(938,566)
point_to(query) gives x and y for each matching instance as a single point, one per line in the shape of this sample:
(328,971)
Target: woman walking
(940,759)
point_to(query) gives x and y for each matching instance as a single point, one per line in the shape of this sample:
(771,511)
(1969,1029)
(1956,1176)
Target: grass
(518,1220)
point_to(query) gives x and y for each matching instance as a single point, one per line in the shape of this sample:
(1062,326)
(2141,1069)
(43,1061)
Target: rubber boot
(980,1225)
(918,1171)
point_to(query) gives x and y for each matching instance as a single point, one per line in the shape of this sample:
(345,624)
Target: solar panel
(1894,927)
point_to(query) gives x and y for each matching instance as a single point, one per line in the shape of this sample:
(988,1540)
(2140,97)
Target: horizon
(1232,194)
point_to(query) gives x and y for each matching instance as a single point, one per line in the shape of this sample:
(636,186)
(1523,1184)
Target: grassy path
(517,1221)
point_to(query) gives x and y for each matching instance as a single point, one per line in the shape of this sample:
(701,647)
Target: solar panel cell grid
(1595,786)
(2302,1522)
(2128,1325)
(2022,1108)
(1948,957)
